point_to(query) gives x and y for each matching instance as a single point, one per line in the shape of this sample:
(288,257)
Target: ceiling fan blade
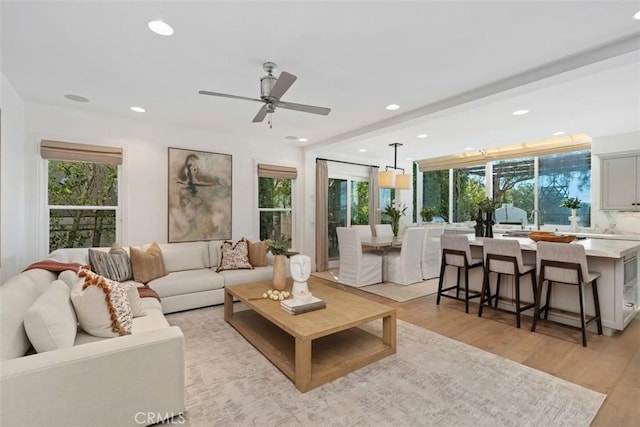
(262,113)
(306,108)
(283,84)
(224,95)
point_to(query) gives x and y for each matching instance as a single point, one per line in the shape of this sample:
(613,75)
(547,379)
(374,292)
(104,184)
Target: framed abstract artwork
(199,195)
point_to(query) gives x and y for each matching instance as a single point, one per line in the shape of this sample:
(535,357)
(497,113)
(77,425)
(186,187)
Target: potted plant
(427,213)
(572,203)
(279,246)
(395,214)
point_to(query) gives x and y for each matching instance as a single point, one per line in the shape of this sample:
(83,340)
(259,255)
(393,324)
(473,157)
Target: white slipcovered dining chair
(363,230)
(384,230)
(356,268)
(405,267)
(431,252)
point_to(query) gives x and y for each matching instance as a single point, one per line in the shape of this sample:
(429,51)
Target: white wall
(144,174)
(13,242)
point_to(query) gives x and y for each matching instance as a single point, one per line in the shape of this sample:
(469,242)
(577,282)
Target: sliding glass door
(348,204)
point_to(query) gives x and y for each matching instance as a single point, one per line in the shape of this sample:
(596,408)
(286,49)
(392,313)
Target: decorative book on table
(295,307)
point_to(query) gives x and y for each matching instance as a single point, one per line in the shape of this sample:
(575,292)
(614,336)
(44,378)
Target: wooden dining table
(382,243)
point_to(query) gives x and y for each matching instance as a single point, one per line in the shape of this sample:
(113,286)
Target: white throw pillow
(69,277)
(137,309)
(96,303)
(51,322)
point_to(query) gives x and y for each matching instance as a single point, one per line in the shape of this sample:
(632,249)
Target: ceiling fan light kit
(389,179)
(271,90)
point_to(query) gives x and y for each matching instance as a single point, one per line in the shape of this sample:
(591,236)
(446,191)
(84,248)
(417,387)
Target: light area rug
(432,380)
(399,293)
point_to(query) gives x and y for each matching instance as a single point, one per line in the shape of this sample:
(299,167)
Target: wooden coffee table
(317,347)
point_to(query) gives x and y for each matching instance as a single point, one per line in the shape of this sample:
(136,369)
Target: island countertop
(593,247)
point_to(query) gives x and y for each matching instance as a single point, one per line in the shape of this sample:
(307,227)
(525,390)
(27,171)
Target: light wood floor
(610,365)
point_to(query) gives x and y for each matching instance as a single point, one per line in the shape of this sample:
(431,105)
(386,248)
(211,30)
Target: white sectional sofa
(136,379)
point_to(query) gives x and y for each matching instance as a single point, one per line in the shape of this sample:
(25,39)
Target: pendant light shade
(386,179)
(389,179)
(403,182)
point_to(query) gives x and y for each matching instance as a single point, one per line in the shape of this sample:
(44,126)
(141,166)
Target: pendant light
(389,179)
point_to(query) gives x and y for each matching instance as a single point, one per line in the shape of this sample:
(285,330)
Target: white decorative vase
(575,219)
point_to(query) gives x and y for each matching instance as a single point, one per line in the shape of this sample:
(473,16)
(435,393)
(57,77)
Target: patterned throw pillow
(115,264)
(235,257)
(102,306)
(258,253)
(147,265)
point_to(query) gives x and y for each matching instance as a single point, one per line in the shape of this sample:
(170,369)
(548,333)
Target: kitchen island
(615,260)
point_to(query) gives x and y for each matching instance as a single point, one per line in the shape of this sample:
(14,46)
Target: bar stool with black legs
(456,252)
(504,256)
(561,263)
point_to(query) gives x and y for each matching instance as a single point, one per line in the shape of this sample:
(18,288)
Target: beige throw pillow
(147,265)
(102,307)
(235,257)
(258,253)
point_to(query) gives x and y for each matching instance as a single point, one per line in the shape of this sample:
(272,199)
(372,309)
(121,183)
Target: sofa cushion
(258,253)
(185,256)
(214,253)
(114,265)
(186,282)
(235,257)
(235,277)
(69,278)
(147,265)
(102,308)
(51,322)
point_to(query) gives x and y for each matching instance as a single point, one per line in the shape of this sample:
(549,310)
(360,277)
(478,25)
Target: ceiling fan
(271,90)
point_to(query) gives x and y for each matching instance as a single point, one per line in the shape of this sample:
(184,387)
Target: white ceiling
(457,68)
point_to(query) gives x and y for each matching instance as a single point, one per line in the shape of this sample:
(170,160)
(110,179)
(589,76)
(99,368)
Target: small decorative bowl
(302,297)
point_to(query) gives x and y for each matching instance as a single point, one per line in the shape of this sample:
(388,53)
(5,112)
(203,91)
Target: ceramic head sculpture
(300,266)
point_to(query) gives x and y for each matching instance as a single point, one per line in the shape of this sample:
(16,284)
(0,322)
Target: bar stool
(566,264)
(504,256)
(456,252)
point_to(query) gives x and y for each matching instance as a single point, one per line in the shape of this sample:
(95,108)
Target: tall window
(275,208)
(387,198)
(347,205)
(82,194)
(275,201)
(562,176)
(513,190)
(468,191)
(435,192)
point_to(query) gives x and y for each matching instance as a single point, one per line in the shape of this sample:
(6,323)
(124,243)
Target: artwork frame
(199,195)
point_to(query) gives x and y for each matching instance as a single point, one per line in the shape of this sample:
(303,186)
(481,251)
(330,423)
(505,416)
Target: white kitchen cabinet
(620,188)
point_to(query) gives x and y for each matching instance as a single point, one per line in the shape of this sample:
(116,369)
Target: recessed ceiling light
(469,149)
(636,15)
(423,135)
(76,98)
(520,112)
(363,150)
(303,139)
(392,107)
(138,109)
(560,132)
(409,158)
(160,27)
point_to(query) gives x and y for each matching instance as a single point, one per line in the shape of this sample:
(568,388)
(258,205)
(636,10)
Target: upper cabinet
(620,188)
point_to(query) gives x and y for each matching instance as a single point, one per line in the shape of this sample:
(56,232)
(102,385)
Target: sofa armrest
(126,381)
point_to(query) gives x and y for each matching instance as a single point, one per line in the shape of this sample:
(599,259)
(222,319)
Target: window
(275,201)
(359,202)
(435,192)
(275,208)
(82,194)
(513,191)
(387,198)
(468,191)
(515,183)
(562,176)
